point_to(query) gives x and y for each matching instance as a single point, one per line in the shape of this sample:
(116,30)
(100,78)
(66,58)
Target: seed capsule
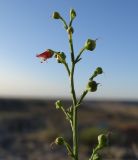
(56,15)
(72,14)
(60,57)
(92,86)
(58,104)
(99,70)
(90,44)
(59,141)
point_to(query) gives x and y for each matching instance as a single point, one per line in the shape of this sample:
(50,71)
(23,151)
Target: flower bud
(56,15)
(70,30)
(96,157)
(96,73)
(102,141)
(59,141)
(58,104)
(99,70)
(90,44)
(60,57)
(92,86)
(72,14)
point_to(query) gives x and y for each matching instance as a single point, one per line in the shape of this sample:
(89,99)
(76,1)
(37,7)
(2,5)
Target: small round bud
(70,30)
(56,15)
(99,70)
(59,141)
(102,141)
(96,157)
(72,14)
(92,86)
(90,44)
(60,57)
(58,104)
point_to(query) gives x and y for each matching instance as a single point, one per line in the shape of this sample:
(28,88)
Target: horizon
(69,99)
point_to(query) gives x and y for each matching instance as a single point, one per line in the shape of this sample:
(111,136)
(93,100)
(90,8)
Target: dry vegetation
(28,127)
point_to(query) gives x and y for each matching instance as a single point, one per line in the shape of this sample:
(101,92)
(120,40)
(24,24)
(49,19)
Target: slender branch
(70,23)
(64,22)
(65,112)
(70,152)
(94,151)
(68,117)
(81,98)
(67,68)
(78,57)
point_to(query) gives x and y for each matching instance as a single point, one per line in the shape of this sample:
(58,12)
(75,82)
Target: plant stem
(71,50)
(75,126)
(67,68)
(78,57)
(64,22)
(81,98)
(94,151)
(75,133)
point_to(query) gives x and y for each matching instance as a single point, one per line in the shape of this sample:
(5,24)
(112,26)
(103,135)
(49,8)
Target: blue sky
(26,29)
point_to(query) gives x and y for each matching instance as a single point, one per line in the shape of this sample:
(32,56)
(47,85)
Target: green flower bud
(60,57)
(99,70)
(59,141)
(90,44)
(72,14)
(96,73)
(96,157)
(56,15)
(92,86)
(58,104)
(70,30)
(102,141)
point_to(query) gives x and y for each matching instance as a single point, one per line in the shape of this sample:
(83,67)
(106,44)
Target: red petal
(45,55)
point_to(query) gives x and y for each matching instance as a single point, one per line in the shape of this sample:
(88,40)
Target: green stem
(78,57)
(94,151)
(70,152)
(64,22)
(67,68)
(74,127)
(72,51)
(65,113)
(75,134)
(70,23)
(81,98)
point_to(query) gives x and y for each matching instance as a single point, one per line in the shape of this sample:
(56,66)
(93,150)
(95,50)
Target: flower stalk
(72,112)
(75,116)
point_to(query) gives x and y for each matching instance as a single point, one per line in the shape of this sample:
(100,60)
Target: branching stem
(74,99)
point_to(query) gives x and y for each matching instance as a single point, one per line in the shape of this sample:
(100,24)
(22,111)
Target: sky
(27,29)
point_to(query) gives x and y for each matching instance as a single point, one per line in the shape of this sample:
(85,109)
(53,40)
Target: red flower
(45,55)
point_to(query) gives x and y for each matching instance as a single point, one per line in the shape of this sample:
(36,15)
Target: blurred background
(29,122)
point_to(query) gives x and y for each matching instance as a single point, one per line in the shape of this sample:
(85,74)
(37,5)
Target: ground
(29,126)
